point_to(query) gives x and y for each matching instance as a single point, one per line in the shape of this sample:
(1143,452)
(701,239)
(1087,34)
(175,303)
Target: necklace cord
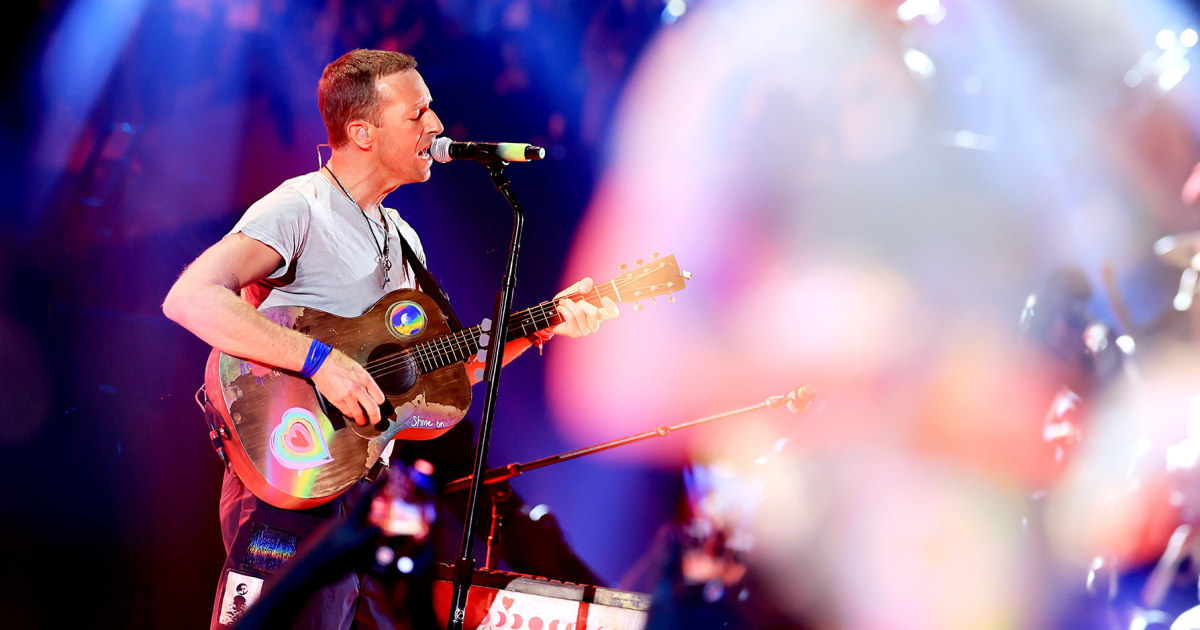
(384,260)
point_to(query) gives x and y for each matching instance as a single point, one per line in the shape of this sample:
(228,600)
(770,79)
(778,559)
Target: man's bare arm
(204,300)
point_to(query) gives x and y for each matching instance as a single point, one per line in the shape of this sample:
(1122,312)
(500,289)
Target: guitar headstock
(660,276)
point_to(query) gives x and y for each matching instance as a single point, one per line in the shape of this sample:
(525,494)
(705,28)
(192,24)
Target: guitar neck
(461,345)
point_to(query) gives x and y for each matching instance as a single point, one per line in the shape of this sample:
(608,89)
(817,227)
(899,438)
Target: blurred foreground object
(384,534)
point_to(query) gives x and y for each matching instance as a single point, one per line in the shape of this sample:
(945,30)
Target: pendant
(386,265)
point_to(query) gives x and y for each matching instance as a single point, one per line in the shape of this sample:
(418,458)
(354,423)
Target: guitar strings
(428,354)
(460,345)
(453,345)
(463,342)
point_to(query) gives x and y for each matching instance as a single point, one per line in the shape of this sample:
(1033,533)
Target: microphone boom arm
(796,401)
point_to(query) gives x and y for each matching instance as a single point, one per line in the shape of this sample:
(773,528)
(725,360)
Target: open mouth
(423,153)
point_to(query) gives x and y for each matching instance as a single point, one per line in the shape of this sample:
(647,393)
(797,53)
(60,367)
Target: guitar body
(291,448)
(294,450)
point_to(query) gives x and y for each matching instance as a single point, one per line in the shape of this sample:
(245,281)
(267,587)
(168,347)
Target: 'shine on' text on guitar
(294,451)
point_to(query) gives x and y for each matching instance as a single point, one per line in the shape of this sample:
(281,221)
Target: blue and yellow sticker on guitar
(407,319)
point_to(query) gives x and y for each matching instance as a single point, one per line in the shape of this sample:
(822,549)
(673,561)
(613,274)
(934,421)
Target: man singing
(325,240)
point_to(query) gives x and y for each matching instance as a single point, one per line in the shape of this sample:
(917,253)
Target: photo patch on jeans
(240,592)
(269,549)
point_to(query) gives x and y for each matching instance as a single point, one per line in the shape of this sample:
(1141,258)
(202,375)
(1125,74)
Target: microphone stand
(492,343)
(796,401)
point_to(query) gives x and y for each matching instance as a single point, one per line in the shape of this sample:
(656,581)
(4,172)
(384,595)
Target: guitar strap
(429,284)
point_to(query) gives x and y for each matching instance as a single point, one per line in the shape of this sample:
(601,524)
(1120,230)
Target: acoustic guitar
(294,450)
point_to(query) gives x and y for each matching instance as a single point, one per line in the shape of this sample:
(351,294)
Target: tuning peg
(639,262)
(671,298)
(654,256)
(638,306)
(624,266)
(654,301)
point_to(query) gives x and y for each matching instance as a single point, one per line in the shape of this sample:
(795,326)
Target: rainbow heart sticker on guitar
(298,441)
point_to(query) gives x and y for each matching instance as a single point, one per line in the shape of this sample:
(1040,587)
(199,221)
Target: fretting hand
(580,317)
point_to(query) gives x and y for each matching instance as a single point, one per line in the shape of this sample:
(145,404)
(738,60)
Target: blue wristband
(317,352)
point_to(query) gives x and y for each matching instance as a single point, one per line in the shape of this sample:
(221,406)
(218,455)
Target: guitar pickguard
(418,413)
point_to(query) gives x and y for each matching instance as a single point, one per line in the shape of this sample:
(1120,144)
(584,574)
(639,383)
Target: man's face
(408,127)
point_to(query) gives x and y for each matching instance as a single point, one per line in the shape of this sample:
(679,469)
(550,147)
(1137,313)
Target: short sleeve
(280,221)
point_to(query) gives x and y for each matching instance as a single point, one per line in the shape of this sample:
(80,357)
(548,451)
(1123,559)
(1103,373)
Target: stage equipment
(795,401)
(445,150)
(498,599)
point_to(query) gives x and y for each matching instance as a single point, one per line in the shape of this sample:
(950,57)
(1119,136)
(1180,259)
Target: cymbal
(1179,250)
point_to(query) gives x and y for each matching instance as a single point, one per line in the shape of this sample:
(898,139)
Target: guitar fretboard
(657,278)
(458,346)
(461,345)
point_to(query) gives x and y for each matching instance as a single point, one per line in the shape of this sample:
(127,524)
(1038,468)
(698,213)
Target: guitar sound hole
(393,369)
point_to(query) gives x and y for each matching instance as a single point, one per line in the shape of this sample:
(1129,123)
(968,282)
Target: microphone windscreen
(440,149)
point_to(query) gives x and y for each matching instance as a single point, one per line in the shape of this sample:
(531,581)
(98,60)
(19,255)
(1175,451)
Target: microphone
(444,150)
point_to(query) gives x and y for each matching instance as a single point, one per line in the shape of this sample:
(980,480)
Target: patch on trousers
(268,549)
(240,592)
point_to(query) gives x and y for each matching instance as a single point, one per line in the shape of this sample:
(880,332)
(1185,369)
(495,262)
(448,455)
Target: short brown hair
(347,93)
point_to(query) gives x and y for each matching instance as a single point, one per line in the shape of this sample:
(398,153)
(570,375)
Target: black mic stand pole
(464,566)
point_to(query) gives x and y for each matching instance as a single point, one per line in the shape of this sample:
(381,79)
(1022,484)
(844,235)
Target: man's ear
(359,132)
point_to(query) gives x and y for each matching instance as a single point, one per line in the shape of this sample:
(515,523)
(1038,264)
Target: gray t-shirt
(329,257)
